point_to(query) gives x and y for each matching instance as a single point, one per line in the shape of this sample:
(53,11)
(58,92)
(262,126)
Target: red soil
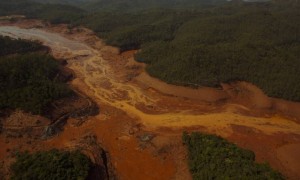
(132,104)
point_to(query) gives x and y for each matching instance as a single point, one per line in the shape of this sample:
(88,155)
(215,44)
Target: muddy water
(93,70)
(55,41)
(95,77)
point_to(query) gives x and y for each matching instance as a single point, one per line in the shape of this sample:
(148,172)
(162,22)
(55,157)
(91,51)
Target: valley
(141,118)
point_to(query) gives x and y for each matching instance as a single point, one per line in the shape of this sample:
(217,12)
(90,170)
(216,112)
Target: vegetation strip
(54,164)
(29,79)
(211,157)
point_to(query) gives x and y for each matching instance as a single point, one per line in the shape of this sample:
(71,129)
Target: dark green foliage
(256,43)
(17,7)
(71,2)
(192,42)
(133,5)
(140,5)
(211,157)
(28,82)
(12,46)
(129,31)
(55,13)
(50,165)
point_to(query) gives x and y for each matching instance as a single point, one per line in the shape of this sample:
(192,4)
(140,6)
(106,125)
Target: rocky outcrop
(102,167)
(80,114)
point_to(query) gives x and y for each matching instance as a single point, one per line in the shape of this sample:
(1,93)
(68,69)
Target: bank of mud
(134,105)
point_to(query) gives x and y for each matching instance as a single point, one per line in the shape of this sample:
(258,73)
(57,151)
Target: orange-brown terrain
(141,118)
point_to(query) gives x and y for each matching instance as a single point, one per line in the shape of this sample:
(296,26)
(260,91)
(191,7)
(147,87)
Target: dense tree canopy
(16,46)
(199,42)
(28,81)
(49,165)
(254,42)
(257,44)
(55,13)
(211,157)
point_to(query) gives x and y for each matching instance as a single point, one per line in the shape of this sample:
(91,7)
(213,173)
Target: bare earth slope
(141,119)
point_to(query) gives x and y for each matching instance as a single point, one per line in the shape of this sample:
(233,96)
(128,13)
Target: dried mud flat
(141,118)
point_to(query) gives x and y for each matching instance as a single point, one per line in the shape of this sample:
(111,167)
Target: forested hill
(70,2)
(204,45)
(56,13)
(136,5)
(133,5)
(28,77)
(16,46)
(254,42)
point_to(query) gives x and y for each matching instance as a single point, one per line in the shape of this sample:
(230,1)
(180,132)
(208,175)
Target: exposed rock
(49,132)
(102,168)
(146,137)
(91,110)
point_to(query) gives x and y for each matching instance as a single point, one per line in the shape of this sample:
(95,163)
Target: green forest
(54,13)
(211,157)
(16,46)
(49,165)
(28,80)
(194,42)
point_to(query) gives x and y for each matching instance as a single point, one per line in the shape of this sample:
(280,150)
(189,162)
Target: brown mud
(141,118)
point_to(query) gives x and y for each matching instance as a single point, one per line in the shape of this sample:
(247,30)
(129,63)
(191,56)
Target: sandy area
(134,105)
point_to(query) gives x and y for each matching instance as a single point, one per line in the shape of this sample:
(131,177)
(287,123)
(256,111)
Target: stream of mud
(131,107)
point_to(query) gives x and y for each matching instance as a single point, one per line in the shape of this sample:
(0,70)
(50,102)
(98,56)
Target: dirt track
(133,104)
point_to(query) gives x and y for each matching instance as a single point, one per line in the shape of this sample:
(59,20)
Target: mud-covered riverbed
(133,104)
